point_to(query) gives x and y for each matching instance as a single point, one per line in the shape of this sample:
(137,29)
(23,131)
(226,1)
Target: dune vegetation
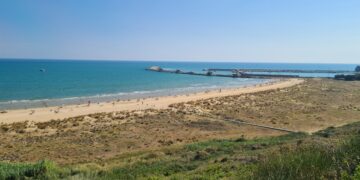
(333,153)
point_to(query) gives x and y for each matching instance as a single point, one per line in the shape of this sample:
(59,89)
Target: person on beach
(32,112)
(89,102)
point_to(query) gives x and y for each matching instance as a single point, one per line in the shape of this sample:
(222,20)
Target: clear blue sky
(326,31)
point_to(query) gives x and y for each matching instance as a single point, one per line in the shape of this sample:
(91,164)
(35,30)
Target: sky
(295,31)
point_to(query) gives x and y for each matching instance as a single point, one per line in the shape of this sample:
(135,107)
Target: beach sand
(61,112)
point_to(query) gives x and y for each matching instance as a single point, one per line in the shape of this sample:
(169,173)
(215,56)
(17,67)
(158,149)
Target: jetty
(235,73)
(282,70)
(260,73)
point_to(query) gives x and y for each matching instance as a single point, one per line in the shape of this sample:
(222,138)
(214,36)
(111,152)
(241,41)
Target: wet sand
(55,113)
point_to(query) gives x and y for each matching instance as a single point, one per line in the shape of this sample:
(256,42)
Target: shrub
(357,173)
(305,163)
(349,77)
(313,162)
(140,170)
(340,76)
(40,170)
(348,155)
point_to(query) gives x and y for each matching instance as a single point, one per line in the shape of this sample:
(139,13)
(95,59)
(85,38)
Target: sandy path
(48,113)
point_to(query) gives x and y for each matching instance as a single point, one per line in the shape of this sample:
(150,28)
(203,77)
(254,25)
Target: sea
(29,83)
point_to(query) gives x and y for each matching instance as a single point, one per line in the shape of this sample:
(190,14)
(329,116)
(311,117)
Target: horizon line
(169,60)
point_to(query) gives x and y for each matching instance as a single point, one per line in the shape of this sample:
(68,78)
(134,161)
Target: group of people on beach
(142,101)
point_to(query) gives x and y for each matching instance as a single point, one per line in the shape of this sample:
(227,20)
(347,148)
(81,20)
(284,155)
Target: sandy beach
(54,113)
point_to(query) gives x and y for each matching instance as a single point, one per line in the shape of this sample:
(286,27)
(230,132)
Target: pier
(235,73)
(256,73)
(281,70)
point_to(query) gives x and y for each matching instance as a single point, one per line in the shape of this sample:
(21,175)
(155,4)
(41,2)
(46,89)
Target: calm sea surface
(24,85)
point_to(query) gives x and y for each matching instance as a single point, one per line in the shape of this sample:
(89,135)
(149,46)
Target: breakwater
(235,73)
(280,70)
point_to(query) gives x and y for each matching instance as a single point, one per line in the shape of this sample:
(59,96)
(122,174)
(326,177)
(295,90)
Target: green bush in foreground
(356,176)
(316,162)
(348,77)
(357,173)
(40,170)
(305,163)
(147,169)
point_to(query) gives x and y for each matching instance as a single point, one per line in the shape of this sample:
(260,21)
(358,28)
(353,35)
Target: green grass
(230,146)
(306,163)
(160,169)
(313,162)
(283,157)
(40,170)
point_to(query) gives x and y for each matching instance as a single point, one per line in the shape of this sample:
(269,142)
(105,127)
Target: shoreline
(44,114)
(117,96)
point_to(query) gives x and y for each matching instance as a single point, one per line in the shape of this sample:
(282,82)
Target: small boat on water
(42,70)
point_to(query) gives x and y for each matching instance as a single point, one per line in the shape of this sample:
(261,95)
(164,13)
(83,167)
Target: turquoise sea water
(36,83)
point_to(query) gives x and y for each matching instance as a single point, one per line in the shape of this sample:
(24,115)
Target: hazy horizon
(259,31)
(172,60)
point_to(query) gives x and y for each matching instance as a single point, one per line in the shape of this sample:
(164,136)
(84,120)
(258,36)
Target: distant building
(237,73)
(155,68)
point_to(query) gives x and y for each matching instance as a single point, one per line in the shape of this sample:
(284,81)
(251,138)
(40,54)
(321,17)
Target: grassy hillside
(330,154)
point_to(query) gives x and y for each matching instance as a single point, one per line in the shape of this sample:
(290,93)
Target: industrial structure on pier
(251,73)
